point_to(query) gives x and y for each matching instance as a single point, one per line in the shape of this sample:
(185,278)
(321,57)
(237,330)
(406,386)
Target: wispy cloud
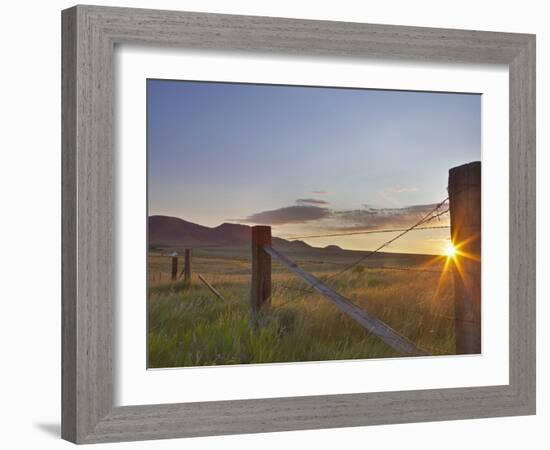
(311,201)
(374,218)
(366,218)
(400,190)
(320,192)
(288,215)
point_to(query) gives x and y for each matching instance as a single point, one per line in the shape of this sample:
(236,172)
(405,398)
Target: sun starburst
(450,250)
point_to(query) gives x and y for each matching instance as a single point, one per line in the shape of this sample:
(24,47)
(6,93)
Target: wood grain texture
(68,226)
(88,304)
(89,36)
(387,334)
(464,187)
(522,191)
(260,282)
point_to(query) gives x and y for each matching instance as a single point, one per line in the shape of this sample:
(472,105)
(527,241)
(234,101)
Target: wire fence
(433,214)
(424,223)
(355,233)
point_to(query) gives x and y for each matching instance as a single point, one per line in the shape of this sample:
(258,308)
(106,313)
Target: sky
(308,160)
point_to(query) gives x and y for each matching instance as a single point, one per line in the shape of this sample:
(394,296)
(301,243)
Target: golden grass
(189,327)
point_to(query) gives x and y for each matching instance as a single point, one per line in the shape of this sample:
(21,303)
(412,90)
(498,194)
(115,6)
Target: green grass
(191,327)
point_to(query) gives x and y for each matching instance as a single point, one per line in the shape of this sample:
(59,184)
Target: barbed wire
(427,218)
(432,215)
(406,268)
(353,233)
(409,269)
(420,225)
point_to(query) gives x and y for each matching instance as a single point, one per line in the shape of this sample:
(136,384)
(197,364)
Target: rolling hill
(168,234)
(172,232)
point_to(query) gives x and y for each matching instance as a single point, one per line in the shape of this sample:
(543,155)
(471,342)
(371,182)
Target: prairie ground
(189,326)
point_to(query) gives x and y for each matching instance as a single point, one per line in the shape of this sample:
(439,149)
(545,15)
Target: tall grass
(191,327)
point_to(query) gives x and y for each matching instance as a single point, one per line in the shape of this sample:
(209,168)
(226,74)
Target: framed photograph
(278,224)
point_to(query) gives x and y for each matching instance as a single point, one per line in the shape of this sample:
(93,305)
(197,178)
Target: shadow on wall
(53,429)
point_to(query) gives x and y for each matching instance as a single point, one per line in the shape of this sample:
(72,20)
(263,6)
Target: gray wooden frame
(89,36)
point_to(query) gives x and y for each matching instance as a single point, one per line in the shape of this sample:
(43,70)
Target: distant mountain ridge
(169,234)
(173,232)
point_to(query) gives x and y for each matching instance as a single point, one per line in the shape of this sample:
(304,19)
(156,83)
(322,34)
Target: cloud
(363,219)
(400,190)
(311,201)
(376,218)
(319,192)
(289,214)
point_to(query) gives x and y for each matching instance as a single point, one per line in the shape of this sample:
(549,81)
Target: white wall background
(31,208)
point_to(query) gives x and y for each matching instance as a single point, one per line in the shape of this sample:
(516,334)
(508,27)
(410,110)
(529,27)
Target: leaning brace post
(260,294)
(465,212)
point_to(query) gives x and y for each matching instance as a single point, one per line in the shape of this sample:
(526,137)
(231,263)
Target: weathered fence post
(261,268)
(187,267)
(174,267)
(465,211)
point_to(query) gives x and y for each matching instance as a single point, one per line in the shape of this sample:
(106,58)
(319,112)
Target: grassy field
(191,327)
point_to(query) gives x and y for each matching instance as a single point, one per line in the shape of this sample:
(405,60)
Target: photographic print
(310,223)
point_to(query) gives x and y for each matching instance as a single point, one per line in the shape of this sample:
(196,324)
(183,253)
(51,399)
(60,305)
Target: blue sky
(304,159)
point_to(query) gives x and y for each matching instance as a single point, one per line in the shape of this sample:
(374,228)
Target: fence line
(353,233)
(466,318)
(368,321)
(186,270)
(428,217)
(465,215)
(413,269)
(432,215)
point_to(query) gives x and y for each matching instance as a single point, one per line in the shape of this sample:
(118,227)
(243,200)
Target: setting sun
(450,250)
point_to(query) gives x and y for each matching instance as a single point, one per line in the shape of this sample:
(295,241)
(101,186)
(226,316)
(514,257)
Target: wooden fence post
(465,211)
(261,268)
(187,267)
(174,268)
